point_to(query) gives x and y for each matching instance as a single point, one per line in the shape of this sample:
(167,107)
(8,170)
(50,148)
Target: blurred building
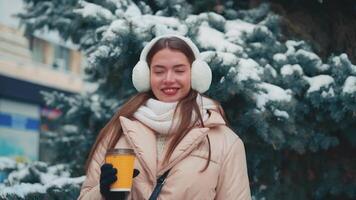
(42,62)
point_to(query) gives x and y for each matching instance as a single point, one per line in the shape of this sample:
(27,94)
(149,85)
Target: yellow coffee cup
(123,160)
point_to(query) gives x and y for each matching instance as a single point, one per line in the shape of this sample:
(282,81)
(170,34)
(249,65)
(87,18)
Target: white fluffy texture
(311,56)
(271,93)
(195,20)
(158,24)
(7,163)
(271,70)
(116,28)
(210,38)
(265,30)
(90,87)
(317,82)
(248,69)
(159,116)
(291,44)
(94,11)
(100,52)
(349,85)
(288,69)
(329,93)
(15,176)
(281,113)
(211,16)
(235,29)
(337,62)
(201,76)
(132,11)
(141,77)
(208,56)
(323,67)
(23,189)
(56,175)
(226,59)
(70,128)
(279,57)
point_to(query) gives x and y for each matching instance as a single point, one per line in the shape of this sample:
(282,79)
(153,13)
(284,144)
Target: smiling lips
(170,91)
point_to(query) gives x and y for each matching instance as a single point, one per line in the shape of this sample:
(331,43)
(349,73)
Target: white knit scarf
(158,115)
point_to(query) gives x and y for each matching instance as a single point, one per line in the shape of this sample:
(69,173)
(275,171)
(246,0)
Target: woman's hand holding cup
(107,178)
(117,173)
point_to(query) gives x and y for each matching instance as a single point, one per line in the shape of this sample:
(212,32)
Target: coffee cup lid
(120,151)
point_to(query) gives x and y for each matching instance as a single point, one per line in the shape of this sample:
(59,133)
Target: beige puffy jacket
(225,178)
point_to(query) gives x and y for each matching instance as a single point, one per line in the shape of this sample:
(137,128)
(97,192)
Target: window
(37,49)
(61,58)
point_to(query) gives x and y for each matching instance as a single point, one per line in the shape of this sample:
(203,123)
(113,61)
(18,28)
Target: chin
(169,99)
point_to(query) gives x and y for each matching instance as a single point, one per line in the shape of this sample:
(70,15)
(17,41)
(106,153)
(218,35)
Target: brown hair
(183,110)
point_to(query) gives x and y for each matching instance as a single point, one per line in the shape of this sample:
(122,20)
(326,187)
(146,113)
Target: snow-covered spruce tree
(37,180)
(294,111)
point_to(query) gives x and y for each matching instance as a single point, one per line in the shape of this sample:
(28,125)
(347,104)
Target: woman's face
(170,75)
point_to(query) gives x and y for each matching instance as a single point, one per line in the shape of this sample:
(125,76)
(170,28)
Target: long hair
(183,111)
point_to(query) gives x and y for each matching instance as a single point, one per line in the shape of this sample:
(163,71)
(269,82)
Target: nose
(169,78)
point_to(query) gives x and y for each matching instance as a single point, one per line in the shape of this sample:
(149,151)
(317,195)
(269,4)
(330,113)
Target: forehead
(169,57)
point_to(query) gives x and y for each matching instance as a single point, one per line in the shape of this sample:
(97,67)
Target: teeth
(170,90)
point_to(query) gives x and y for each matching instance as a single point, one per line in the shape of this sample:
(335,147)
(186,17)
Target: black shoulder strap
(159,185)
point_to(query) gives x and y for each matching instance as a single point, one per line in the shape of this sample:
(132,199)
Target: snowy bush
(37,180)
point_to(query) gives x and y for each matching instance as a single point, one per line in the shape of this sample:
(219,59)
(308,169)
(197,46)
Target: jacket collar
(143,141)
(215,119)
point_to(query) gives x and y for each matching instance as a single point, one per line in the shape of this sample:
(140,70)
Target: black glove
(108,177)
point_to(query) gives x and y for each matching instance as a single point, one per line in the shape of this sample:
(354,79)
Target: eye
(158,72)
(180,71)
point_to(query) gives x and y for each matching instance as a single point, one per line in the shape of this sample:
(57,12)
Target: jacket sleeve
(91,188)
(233,183)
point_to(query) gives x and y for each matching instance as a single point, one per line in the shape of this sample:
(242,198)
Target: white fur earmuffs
(201,74)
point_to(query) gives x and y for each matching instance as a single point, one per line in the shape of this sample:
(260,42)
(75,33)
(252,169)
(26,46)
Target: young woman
(172,128)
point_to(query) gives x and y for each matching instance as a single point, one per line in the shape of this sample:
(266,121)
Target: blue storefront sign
(16,121)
